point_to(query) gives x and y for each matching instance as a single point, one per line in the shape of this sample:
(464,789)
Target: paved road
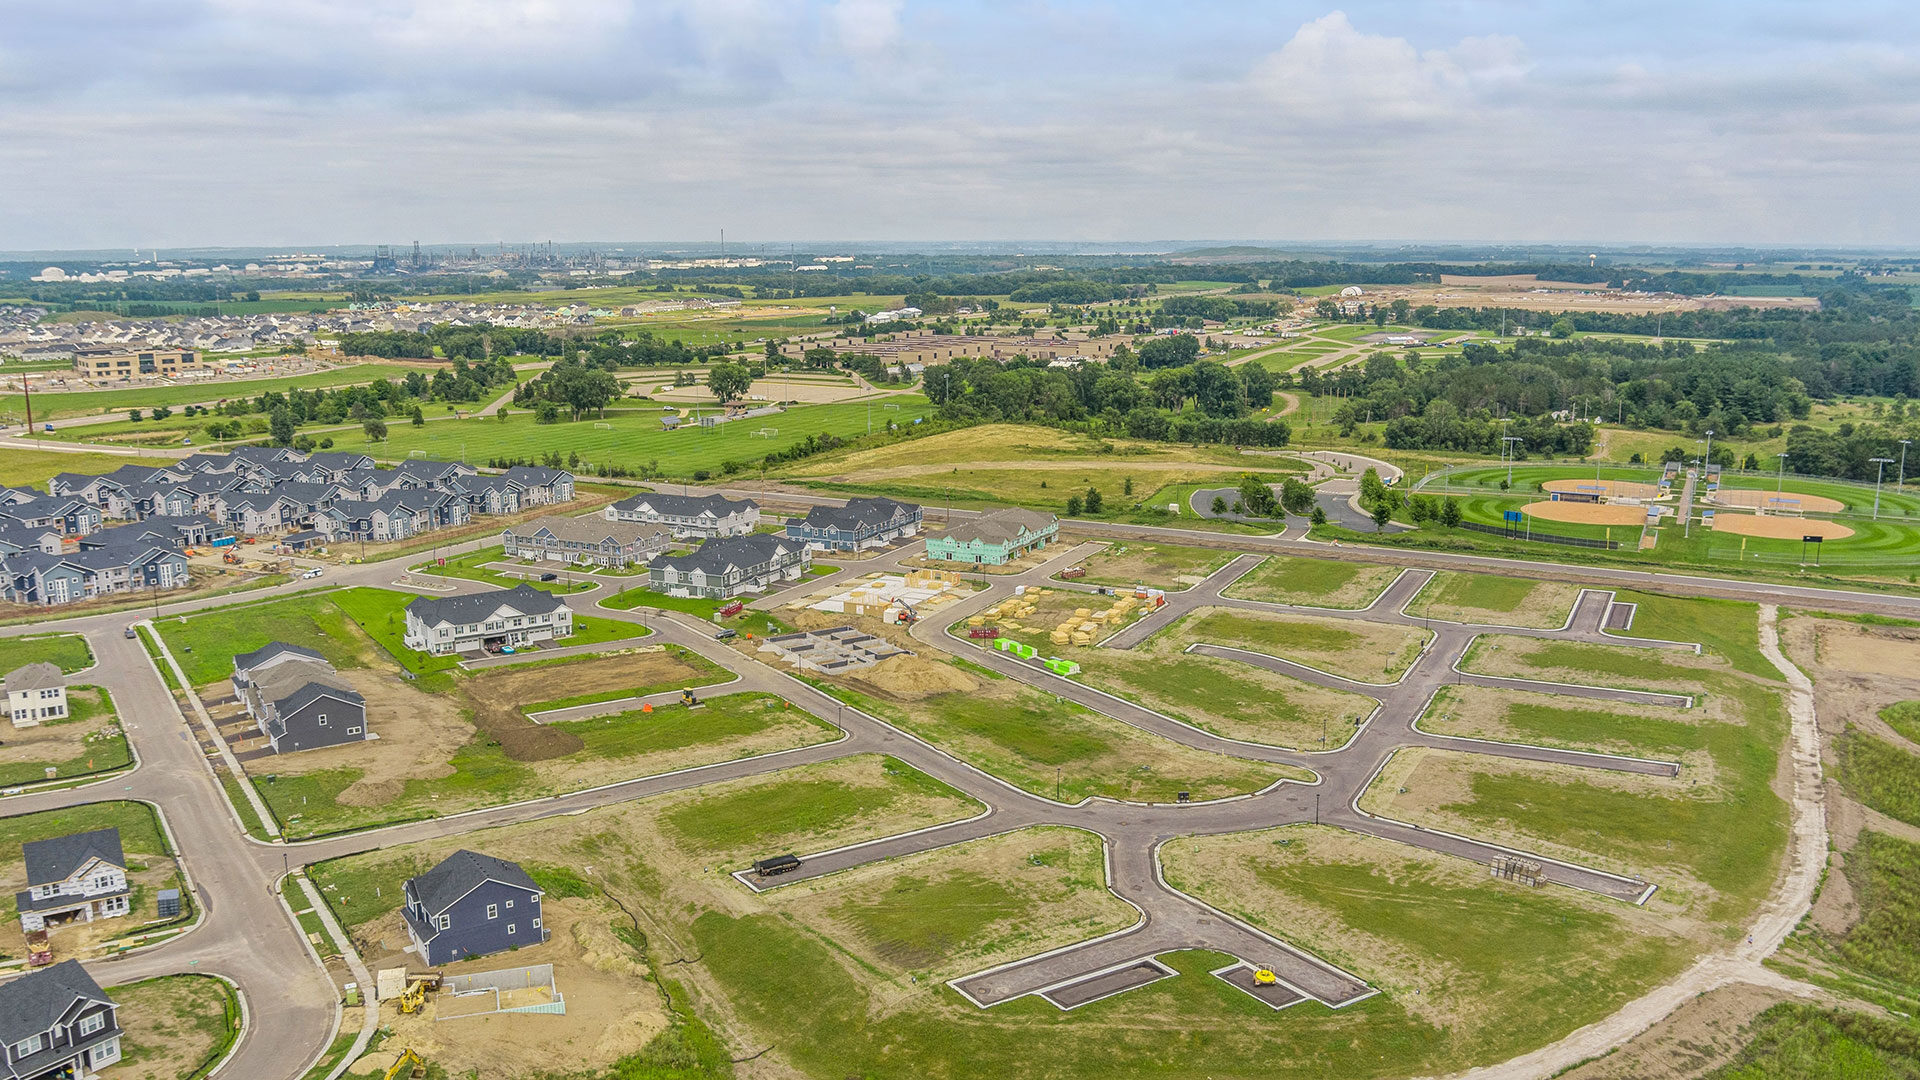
(248,936)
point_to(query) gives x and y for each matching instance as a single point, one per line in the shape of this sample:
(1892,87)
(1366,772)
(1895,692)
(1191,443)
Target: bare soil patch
(1862,650)
(1763,499)
(1778,528)
(58,742)
(1609,488)
(171,1023)
(497,697)
(1691,1042)
(1586,513)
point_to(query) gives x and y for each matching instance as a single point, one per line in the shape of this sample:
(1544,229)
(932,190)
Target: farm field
(633,439)
(55,405)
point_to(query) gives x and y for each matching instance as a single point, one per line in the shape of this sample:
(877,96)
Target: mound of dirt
(520,738)
(910,678)
(364,792)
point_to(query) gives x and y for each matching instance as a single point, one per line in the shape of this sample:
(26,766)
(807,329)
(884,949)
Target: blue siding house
(471,905)
(859,525)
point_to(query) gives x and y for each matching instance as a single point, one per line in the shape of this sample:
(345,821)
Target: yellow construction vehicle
(1265,977)
(687,698)
(414,997)
(410,1065)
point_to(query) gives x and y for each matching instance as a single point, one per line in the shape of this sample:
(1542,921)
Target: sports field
(1612,489)
(634,439)
(1586,513)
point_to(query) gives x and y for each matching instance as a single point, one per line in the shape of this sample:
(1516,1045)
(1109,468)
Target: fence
(1542,537)
(510,990)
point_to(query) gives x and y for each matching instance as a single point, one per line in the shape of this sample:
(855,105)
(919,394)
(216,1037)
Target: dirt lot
(1610,488)
(1019,565)
(498,696)
(417,732)
(1695,1039)
(1864,650)
(1163,566)
(1779,528)
(171,1023)
(1586,513)
(612,1009)
(58,742)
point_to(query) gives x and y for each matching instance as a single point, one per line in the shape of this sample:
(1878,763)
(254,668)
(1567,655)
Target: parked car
(725,633)
(549,576)
(313,573)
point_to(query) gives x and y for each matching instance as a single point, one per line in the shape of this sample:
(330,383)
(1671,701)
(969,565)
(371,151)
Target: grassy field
(749,621)
(1500,969)
(1903,717)
(58,404)
(100,747)
(23,468)
(1492,600)
(1165,566)
(68,651)
(1800,1042)
(633,438)
(1050,747)
(473,567)
(1552,720)
(1369,652)
(1288,579)
(1881,775)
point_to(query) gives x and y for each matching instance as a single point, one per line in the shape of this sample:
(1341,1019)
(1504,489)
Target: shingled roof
(459,873)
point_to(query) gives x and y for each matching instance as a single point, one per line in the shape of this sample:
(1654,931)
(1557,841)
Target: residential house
(471,905)
(541,486)
(79,877)
(730,565)
(35,692)
(690,515)
(298,699)
(71,516)
(494,495)
(858,526)
(105,492)
(38,578)
(591,540)
(519,616)
(57,1022)
(996,538)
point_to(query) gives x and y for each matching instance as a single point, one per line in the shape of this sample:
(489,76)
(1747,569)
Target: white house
(35,692)
(75,878)
(703,516)
(519,616)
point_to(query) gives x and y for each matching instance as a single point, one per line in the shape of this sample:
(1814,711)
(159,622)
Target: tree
(729,382)
(546,413)
(1073,506)
(1319,516)
(1256,497)
(1561,328)
(134,415)
(280,424)
(1126,486)
(376,430)
(1296,496)
(1094,500)
(419,419)
(1219,504)
(1382,513)
(1450,512)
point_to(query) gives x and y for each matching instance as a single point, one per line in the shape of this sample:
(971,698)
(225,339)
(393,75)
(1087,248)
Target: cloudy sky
(223,122)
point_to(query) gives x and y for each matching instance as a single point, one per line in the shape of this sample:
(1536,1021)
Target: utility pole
(1707,462)
(1780,482)
(1901,484)
(1504,440)
(1883,462)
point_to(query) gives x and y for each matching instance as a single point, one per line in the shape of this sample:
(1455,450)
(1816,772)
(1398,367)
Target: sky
(174,123)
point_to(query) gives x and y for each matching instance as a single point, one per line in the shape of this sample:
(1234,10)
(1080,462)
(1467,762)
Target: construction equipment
(907,616)
(414,998)
(409,1064)
(1265,977)
(687,699)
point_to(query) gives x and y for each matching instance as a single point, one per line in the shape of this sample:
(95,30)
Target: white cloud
(1331,73)
(863,27)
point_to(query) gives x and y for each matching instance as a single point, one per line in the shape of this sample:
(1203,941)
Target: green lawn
(749,621)
(1236,704)
(53,406)
(1881,775)
(1729,629)
(786,811)
(176,1025)
(633,438)
(1903,717)
(21,468)
(103,752)
(631,734)
(68,651)
(1489,598)
(1549,720)
(1287,579)
(473,567)
(1792,1041)
(1368,652)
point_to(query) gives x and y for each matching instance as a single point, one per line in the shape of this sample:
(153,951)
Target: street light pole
(1883,462)
(1901,484)
(1780,482)
(1504,441)
(1707,462)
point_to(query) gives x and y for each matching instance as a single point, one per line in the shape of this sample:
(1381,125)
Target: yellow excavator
(414,998)
(410,1064)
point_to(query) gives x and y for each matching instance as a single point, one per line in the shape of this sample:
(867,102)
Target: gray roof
(36,676)
(858,512)
(1002,526)
(55,859)
(534,475)
(686,506)
(34,1003)
(246,661)
(457,875)
(475,607)
(292,685)
(589,530)
(723,553)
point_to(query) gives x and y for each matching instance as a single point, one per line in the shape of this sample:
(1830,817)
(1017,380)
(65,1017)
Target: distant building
(35,692)
(591,540)
(690,515)
(471,905)
(519,616)
(859,525)
(75,878)
(298,699)
(107,362)
(728,566)
(57,1022)
(994,539)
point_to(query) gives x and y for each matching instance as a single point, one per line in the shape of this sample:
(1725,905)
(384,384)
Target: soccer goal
(416,453)
(764,433)
(602,427)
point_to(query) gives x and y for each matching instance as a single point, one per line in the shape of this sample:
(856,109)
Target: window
(444,922)
(92,1023)
(493,911)
(322,718)
(512,929)
(29,1046)
(536,922)
(353,731)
